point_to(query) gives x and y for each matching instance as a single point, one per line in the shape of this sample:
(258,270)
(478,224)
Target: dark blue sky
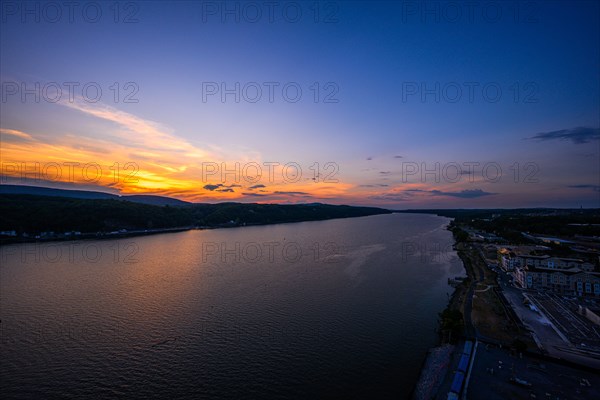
(386,86)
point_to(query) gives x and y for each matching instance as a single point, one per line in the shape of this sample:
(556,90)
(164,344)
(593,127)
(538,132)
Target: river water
(343,308)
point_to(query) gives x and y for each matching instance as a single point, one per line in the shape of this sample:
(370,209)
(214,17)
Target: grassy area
(490,318)
(488,314)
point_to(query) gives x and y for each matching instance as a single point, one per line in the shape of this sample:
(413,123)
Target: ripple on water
(353,322)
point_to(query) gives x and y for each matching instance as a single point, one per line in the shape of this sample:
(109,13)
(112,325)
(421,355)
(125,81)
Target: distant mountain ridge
(90,195)
(26,216)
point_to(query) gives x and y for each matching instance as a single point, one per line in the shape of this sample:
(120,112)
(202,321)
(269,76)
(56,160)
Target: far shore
(92,236)
(62,237)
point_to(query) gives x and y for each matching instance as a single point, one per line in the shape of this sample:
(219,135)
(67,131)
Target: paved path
(484,290)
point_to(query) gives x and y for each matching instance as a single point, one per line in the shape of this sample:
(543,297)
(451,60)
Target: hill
(88,194)
(33,214)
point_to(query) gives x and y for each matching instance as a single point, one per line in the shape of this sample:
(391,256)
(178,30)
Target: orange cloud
(134,155)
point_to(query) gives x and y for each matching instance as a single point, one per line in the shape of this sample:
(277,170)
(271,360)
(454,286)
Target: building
(546,261)
(565,282)
(564,276)
(507,259)
(514,256)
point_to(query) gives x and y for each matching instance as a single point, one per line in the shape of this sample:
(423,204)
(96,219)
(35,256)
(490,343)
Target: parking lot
(548,335)
(498,374)
(577,329)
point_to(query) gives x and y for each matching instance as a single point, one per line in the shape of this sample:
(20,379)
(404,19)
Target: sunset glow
(399,132)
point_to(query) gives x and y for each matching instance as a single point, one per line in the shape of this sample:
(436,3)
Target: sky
(398,104)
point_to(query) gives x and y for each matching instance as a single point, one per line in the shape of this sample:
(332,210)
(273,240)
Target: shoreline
(459,289)
(434,367)
(461,301)
(95,236)
(146,232)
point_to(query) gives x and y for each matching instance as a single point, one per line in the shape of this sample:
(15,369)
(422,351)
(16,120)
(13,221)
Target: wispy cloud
(161,162)
(212,187)
(156,160)
(396,196)
(138,132)
(593,187)
(254,194)
(260,185)
(577,135)
(13,133)
(292,193)
(463,194)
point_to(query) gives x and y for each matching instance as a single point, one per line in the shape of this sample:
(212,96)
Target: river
(343,308)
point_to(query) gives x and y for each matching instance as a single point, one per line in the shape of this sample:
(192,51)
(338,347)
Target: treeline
(510,223)
(35,214)
(586,224)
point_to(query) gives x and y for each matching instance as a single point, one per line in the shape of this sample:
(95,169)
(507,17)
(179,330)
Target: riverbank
(450,329)
(477,310)
(144,232)
(433,372)
(91,236)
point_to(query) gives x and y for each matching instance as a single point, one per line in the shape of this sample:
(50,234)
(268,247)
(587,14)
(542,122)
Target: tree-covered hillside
(33,214)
